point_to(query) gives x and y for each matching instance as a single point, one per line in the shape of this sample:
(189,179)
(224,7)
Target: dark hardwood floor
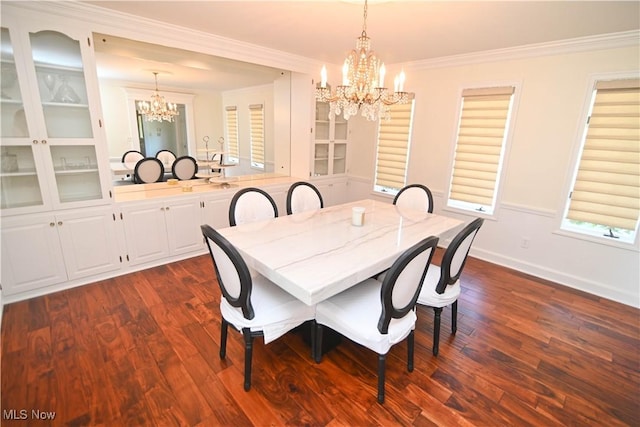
(142,349)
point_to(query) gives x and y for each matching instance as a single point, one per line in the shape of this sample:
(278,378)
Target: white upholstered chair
(378,314)
(441,287)
(148,170)
(184,168)
(166,157)
(415,196)
(251,204)
(303,196)
(254,305)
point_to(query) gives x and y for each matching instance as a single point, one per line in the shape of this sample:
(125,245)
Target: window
(231,119)
(392,157)
(604,200)
(257,135)
(480,146)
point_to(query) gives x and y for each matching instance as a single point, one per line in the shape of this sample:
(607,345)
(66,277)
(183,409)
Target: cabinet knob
(59,222)
(167,207)
(44,141)
(35,141)
(52,224)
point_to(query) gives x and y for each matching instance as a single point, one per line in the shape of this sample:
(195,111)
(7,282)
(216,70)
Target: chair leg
(381,371)
(223,338)
(454,317)
(318,343)
(410,345)
(248,354)
(436,329)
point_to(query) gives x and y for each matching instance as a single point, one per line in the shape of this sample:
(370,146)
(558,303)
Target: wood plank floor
(142,349)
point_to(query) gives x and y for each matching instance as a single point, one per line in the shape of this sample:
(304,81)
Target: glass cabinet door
(20,182)
(14,120)
(63,93)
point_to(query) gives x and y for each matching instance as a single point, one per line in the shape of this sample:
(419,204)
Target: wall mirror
(202,85)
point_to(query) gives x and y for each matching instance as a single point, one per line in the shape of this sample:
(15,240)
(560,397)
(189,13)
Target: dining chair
(251,204)
(132,156)
(415,196)
(185,167)
(441,287)
(379,314)
(254,306)
(303,196)
(167,157)
(148,170)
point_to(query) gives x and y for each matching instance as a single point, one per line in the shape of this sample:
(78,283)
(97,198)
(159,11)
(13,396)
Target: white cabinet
(161,229)
(215,211)
(45,249)
(330,142)
(52,146)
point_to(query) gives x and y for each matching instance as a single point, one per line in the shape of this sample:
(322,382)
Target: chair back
(251,204)
(232,272)
(148,170)
(303,196)
(184,167)
(455,256)
(415,196)
(403,281)
(166,157)
(132,156)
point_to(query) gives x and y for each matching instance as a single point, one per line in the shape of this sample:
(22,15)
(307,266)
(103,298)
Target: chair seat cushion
(355,312)
(276,311)
(428,295)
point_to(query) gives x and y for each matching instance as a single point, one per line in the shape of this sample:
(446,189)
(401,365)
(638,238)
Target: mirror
(204,85)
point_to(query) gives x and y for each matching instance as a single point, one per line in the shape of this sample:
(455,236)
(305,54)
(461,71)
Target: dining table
(316,254)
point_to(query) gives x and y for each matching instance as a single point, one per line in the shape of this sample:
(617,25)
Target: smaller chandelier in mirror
(157,109)
(362,85)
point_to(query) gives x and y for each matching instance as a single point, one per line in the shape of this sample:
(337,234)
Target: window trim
(506,149)
(576,154)
(252,109)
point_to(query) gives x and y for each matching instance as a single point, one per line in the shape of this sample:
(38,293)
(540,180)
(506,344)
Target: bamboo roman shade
(232,131)
(607,185)
(257,134)
(393,147)
(481,135)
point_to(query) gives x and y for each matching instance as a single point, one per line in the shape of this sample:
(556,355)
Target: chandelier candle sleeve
(362,86)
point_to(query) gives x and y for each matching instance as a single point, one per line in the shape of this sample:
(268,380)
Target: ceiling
(400,30)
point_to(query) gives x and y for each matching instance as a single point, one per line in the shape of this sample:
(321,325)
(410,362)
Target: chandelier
(362,84)
(158,109)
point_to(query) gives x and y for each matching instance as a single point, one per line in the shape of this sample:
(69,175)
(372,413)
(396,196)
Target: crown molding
(150,31)
(560,47)
(146,30)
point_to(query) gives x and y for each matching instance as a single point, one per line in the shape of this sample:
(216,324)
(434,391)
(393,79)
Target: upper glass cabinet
(63,93)
(49,150)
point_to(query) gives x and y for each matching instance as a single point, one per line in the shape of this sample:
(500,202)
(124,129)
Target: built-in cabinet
(156,230)
(40,250)
(51,155)
(330,142)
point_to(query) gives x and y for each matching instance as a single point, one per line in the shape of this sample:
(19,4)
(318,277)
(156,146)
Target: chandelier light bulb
(362,86)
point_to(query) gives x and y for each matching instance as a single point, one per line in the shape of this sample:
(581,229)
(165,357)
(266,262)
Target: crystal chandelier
(362,84)
(158,109)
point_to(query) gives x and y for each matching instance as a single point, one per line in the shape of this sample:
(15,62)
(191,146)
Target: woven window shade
(257,134)
(480,143)
(232,131)
(607,186)
(393,147)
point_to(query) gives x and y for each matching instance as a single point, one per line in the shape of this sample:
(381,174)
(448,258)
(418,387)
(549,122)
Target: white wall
(554,89)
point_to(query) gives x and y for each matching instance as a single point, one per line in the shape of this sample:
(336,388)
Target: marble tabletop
(316,254)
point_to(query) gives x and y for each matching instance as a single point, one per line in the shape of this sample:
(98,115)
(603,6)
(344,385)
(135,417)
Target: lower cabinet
(46,249)
(161,229)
